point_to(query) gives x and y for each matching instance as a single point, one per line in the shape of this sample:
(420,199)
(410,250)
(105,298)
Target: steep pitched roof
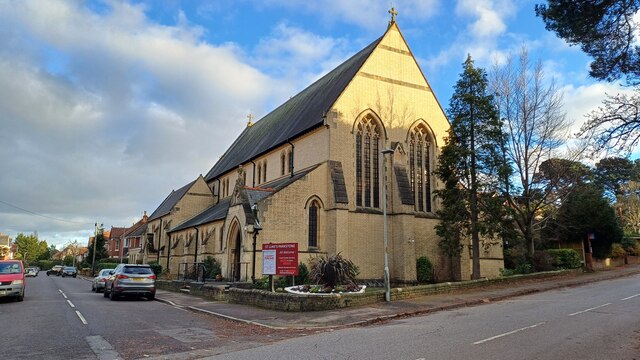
(117,232)
(170,201)
(219,210)
(213,213)
(300,114)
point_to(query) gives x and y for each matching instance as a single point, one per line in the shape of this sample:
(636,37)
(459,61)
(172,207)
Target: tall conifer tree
(472,166)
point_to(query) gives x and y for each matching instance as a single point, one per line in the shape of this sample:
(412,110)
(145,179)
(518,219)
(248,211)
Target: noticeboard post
(280,259)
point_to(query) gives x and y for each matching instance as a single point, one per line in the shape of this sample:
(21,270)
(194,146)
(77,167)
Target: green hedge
(101,266)
(565,258)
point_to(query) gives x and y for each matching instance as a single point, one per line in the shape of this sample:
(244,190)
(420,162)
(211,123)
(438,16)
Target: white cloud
(103,114)
(579,101)
(369,14)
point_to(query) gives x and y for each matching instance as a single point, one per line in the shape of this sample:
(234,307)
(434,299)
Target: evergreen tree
(472,166)
(101,251)
(28,247)
(608,32)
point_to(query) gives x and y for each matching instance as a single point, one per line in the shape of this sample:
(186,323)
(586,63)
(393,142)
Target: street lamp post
(387,288)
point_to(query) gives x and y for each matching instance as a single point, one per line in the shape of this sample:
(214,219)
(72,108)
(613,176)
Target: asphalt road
(60,318)
(598,321)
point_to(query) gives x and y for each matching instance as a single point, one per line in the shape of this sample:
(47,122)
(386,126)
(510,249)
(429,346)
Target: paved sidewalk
(385,311)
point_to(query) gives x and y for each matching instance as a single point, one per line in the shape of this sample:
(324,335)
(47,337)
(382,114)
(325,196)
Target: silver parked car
(130,279)
(98,282)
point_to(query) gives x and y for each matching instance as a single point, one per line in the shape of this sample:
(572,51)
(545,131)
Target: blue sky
(109,105)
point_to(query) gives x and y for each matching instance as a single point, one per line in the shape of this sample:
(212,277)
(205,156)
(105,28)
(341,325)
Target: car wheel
(151,297)
(47,273)
(93,288)
(112,295)
(105,293)
(20,297)
(74,276)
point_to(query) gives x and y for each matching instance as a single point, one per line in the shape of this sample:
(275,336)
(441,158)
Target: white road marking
(71,304)
(593,308)
(508,333)
(630,297)
(102,348)
(84,321)
(63,294)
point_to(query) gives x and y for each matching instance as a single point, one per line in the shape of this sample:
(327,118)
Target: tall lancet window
(313,224)
(367,163)
(420,167)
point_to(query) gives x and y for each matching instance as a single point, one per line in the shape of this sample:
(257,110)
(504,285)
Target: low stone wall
(295,302)
(210,291)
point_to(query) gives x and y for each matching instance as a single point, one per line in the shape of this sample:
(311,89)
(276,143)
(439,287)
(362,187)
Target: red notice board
(280,259)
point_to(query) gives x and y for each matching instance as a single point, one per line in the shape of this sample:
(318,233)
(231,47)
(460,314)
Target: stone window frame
(421,144)
(314,202)
(369,139)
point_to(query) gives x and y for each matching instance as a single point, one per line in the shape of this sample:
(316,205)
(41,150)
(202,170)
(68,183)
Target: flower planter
(299,291)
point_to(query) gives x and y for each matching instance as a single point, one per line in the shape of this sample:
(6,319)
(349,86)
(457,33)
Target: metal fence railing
(192,272)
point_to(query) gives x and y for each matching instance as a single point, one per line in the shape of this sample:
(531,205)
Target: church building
(312,172)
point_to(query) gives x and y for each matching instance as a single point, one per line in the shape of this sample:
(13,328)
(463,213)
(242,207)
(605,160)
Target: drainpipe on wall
(168,251)
(159,242)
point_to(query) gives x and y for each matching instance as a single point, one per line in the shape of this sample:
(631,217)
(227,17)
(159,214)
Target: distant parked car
(55,270)
(69,271)
(12,282)
(31,271)
(130,279)
(98,282)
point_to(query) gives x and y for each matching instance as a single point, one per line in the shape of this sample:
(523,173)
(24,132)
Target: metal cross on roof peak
(250,117)
(393,13)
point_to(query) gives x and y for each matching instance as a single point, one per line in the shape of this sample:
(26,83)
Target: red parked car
(12,279)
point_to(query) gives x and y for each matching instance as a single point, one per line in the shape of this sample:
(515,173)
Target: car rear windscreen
(137,270)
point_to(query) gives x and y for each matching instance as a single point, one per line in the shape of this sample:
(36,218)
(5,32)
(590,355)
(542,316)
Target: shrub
(262,284)
(303,274)
(524,268)
(212,268)
(565,258)
(47,264)
(279,282)
(617,251)
(157,268)
(542,261)
(333,270)
(106,265)
(631,246)
(424,270)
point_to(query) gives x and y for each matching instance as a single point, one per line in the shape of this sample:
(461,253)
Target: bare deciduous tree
(532,110)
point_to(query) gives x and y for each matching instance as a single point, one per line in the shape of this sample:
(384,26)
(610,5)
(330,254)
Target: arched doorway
(235,244)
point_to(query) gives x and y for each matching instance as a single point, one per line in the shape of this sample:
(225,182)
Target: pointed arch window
(282,163)
(313,224)
(264,171)
(367,163)
(420,167)
(259,173)
(290,161)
